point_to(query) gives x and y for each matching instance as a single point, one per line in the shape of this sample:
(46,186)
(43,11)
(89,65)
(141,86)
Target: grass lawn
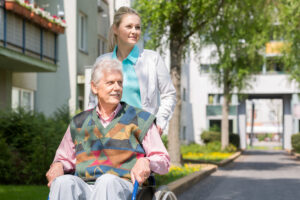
(176,173)
(264,147)
(23,192)
(207,156)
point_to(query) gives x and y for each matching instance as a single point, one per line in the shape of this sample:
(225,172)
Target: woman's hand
(160,131)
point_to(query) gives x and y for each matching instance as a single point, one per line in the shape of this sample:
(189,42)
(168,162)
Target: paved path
(256,175)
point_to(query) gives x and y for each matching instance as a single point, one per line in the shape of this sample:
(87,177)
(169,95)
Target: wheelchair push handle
(135,189)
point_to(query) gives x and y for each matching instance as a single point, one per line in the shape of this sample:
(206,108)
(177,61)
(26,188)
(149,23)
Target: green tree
(176,21)
(238,34)
(287,30)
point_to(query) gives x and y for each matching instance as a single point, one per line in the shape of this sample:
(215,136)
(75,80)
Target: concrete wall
(25,80)
(57,89)
(88,58)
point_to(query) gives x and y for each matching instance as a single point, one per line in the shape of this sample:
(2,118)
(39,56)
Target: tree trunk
(225,122)
(174,125)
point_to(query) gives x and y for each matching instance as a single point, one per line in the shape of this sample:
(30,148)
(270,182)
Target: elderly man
(108,146)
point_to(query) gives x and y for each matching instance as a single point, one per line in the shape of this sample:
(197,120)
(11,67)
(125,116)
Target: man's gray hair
(104,64)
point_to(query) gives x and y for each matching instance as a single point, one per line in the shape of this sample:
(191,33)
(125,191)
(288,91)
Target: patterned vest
(114,149)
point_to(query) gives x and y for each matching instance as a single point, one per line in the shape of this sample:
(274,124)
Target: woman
(146,81)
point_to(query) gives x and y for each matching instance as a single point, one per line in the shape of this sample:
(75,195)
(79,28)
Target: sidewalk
(257,174)
(182,184)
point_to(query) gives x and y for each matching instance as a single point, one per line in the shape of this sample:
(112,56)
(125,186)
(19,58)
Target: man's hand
(55,170)
(140,171)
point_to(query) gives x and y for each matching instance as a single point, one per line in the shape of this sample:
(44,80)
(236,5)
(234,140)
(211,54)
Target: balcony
(216,110)
(26,44)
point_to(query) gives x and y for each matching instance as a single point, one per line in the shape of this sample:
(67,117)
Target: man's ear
(94,88)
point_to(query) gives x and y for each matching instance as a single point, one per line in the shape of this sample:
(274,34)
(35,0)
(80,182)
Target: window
(204,68)
(184,94)
(101,46)
(82,32)
(184,133)
(22,98)
(274,65)
(215,99)
(215,125)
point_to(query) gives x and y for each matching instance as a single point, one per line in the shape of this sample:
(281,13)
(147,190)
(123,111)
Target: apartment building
(29,42)
(202,99)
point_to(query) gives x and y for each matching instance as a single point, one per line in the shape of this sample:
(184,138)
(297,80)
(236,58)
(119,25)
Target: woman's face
(129,30)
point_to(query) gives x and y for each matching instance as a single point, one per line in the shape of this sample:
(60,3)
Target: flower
(41,12)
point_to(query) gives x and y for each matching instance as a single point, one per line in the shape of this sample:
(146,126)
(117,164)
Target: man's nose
(117,86)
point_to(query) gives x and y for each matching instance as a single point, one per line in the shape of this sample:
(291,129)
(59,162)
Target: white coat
(158,95)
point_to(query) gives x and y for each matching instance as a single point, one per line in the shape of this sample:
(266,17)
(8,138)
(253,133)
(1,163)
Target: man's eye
(138,27)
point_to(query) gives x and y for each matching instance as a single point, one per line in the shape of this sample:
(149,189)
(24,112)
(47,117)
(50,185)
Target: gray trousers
(107,186)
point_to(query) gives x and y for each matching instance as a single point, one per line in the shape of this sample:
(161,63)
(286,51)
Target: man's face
(109,88)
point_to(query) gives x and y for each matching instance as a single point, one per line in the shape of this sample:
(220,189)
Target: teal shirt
(131,88)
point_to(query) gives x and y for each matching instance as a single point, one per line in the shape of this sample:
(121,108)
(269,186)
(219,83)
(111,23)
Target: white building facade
(202,101)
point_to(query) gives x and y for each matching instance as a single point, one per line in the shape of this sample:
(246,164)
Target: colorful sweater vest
(114,149)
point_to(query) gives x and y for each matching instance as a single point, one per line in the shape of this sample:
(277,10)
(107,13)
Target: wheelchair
(150,192)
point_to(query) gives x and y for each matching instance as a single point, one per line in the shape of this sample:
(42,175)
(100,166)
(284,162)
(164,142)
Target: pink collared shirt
(155,150)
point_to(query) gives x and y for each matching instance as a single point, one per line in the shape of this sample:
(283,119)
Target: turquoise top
(131,88)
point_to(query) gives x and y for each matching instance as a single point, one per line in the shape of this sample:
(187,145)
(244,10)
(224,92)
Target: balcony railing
(216,110)
(24,36)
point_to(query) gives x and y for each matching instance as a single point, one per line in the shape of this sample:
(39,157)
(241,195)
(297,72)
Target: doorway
(264,123)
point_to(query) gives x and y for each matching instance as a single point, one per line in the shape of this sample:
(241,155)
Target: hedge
(28,143)
(296,142)
(215,136)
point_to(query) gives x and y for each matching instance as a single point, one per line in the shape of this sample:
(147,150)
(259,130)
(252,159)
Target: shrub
(234,139)
(28,143)
(164,139)
(210,136)
(208,148)
(296,142)
(195,148)
(214,136)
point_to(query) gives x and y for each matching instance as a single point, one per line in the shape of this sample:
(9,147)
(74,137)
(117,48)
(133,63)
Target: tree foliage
(235,28)
(286,28)
(239,34)
(176,21)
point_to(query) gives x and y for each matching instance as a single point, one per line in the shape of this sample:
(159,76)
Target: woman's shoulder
(106,55)
(149,52)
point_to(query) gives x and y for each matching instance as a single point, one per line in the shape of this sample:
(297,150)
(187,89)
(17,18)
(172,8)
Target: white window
(184,133)
(184,94)
(22,98)
(82,32)
(101,46)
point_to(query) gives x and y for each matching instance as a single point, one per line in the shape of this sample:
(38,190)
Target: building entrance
(264,120)
(272,120)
